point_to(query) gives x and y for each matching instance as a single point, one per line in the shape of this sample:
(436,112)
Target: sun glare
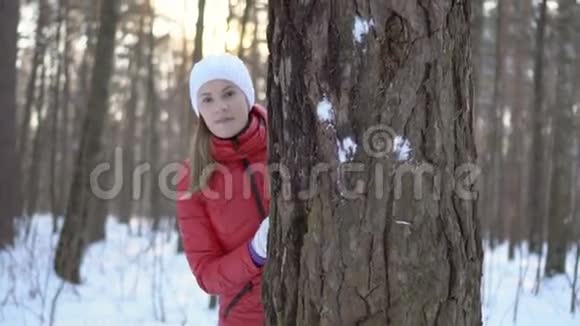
(176,17)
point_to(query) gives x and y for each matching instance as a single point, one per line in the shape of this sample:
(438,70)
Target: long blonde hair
(200,159)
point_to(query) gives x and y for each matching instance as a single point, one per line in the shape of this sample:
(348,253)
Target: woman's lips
(224,120)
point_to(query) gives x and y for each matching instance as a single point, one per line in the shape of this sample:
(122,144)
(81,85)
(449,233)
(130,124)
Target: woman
(222,214)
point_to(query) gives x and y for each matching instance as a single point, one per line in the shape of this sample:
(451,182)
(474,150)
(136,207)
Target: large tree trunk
(537,176)
(9,194)
(373,254)
(73,238)
(477,23)
(560,213)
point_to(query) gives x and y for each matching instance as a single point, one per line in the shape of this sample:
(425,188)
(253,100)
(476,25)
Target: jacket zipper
(248,287)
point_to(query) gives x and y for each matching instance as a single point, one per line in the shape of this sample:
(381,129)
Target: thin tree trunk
(153,113)
(33,173)
(537,177)
(496,144)
(575,279)
(243,25)
(54,183)
(73,238)
(560,212)
(31,91)
(515,160)
(135,66)
(9,192)
(187,117)
(66,121)
(371,255)
(37,57)
(198,45)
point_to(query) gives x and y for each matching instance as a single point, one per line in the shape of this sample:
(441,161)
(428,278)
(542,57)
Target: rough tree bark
(9,193)
(75,232)
(340,72)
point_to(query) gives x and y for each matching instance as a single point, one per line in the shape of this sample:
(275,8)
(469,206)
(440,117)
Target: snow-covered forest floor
(136,278)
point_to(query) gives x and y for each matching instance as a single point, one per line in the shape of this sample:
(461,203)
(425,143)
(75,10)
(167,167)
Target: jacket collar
(251,142)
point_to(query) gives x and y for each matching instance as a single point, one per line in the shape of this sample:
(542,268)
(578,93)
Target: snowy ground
(126,281)
(139,280)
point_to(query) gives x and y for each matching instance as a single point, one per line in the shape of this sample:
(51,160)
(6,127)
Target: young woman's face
(223,107)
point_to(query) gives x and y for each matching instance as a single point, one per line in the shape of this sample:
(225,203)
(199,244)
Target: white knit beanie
(221,66)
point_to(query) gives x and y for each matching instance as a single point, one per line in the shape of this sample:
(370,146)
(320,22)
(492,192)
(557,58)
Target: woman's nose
(223,106)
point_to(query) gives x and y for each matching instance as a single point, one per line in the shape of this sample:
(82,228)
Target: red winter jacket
(216,231)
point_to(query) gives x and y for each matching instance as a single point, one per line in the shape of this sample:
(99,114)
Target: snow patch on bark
(401,148)
(346,149)
(325,111)
(361,28)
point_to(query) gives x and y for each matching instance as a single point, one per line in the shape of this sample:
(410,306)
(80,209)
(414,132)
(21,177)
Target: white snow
(401,148)
(361,28)
(403,223)
(346,149)
(127,280)
(500,286)
(488,6)
(325,111)
(552,5)
(140,280)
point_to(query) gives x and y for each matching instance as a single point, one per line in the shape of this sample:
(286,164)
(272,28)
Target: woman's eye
(230,93)
(206,100)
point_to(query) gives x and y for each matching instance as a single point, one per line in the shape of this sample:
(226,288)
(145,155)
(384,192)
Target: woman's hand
(259,244)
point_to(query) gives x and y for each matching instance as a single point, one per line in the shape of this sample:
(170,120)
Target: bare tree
(39,136)
(243,26)
(198,46)
(560,203)
(32,88)
(73,238)
(494,168)
(9,192)
(513,203)
(363,253)
(130,121)
(537,176)
(153,123)
(55,109)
